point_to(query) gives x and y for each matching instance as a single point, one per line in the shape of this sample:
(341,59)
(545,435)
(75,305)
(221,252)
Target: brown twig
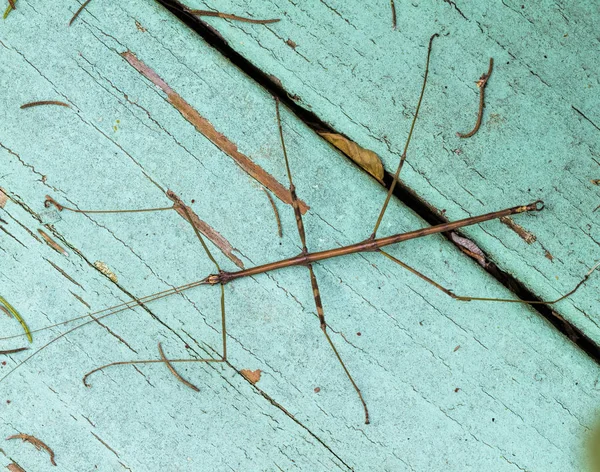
(481,83)
(12,4)
(45,102)
(227,16)
(393,14)
(39,445)
(80,9)
(279,231)
(174,372)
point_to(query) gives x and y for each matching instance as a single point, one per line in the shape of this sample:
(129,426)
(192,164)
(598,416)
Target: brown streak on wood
(53,244)
(216,238)
(174,372)
(39,445)
(528,237)
(105,445)
(3,198)
(13,351)
(81,300)
(208,130)
(63,273)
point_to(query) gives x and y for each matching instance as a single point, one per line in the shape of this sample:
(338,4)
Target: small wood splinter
(393,14)
(481,83)
(39,445)
(79,10)
(174,372)
(45,102)
(227,16)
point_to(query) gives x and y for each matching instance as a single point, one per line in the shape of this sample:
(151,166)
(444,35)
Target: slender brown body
(368,245)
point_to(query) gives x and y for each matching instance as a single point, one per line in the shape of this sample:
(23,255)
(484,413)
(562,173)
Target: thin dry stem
(79,10)
(275,211)
(481,83)
(45,102)
(174,372)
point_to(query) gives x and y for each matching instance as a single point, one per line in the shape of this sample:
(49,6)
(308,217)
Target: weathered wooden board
(539,138)
(515,394)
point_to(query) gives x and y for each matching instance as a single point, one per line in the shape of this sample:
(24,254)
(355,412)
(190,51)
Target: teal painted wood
(526,396)
(539,137)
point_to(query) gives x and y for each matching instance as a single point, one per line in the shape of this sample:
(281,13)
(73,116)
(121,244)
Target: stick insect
(307,259)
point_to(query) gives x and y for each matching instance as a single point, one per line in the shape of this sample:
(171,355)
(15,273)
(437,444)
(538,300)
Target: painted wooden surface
(450,386)
(539,138)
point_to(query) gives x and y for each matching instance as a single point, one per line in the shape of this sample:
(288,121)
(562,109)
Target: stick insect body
(305,258)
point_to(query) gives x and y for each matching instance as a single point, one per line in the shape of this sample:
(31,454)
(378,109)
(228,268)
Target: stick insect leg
(410,133)
(504,300)
(313,278)
(223,320)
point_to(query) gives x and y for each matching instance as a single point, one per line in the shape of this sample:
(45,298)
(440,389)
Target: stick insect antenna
(410,133)
(111,311)
(313,278)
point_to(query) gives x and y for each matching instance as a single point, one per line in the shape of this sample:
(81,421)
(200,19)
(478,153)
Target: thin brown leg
(223,319)
(485,299)
(410,133)
(313,279)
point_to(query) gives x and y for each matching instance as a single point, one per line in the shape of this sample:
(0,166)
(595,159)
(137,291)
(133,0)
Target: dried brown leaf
(252,376)
(365,158)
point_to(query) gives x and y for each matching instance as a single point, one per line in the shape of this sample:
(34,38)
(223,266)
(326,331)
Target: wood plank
(515,395)
(539,138)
